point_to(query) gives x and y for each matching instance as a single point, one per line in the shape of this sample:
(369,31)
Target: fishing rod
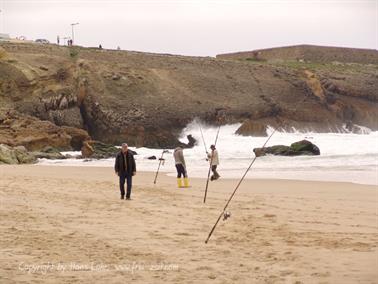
(203,139)
(225,214)
(211,162)
(161,160)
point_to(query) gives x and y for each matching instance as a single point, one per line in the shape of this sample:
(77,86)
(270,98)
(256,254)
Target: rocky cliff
(146,99)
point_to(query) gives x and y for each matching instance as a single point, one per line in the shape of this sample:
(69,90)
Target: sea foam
(344,157)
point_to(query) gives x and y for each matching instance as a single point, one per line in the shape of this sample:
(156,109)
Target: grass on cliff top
(316,66)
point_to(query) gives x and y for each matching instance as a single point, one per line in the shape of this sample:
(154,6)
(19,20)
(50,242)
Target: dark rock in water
(151,158)
(98,150)
(305,147)
(274,150)
(49,149)
(349,126)
(251,128)
(191,142)
(15,155)
(49,152)
(299,148)
(49,155)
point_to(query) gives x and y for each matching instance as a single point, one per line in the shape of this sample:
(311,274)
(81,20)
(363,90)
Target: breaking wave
(344,156)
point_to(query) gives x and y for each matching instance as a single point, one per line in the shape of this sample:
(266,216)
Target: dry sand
(68,225)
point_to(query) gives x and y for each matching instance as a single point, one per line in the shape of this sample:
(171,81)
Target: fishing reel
(226,215)
(161,159)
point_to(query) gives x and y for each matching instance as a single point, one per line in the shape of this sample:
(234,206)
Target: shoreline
(259,175)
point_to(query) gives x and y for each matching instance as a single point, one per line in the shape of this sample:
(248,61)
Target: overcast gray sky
(195,27)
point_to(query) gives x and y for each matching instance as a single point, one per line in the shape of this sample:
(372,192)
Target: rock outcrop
(151,158)
(98,150)
(34,134)
(87,150)
(251,128)
(15,155)
(300,148)
(49,153)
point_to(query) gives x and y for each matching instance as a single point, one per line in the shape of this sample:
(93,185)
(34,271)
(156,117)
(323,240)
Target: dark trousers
(215,173)
(122,178)
(180,170)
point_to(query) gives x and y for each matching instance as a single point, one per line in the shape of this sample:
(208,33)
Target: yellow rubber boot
(186,182)
(179,182)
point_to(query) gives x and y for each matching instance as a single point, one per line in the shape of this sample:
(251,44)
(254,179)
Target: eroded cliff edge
(146,99)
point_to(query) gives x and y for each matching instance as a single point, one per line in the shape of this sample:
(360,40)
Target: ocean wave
(343,154)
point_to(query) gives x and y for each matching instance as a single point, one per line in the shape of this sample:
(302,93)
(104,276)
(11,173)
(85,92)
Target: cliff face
(146,99)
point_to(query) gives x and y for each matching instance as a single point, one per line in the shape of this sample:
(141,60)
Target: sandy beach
(68,225)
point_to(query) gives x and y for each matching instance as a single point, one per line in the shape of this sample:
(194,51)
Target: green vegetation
(302,65)
(254,59)
(74,52)
(315,66)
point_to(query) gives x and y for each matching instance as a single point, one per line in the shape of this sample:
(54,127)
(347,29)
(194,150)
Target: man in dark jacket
(125,168)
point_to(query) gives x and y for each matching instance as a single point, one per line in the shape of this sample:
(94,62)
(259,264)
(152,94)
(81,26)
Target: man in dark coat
(125,168)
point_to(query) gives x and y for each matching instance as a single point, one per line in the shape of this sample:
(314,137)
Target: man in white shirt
(213,158)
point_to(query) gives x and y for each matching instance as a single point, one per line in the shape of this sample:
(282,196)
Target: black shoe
(122,197)
(128,198)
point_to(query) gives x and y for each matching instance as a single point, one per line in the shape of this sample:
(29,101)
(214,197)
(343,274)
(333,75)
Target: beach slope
(67,225)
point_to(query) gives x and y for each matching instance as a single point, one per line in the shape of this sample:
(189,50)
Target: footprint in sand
(321,274)
(183,234)
(269,215)
(204,268)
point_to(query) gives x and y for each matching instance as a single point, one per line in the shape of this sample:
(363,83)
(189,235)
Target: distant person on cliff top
(178,154)
(213,159)
(125,168)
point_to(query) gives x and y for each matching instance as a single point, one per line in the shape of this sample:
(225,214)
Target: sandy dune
(68,225)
